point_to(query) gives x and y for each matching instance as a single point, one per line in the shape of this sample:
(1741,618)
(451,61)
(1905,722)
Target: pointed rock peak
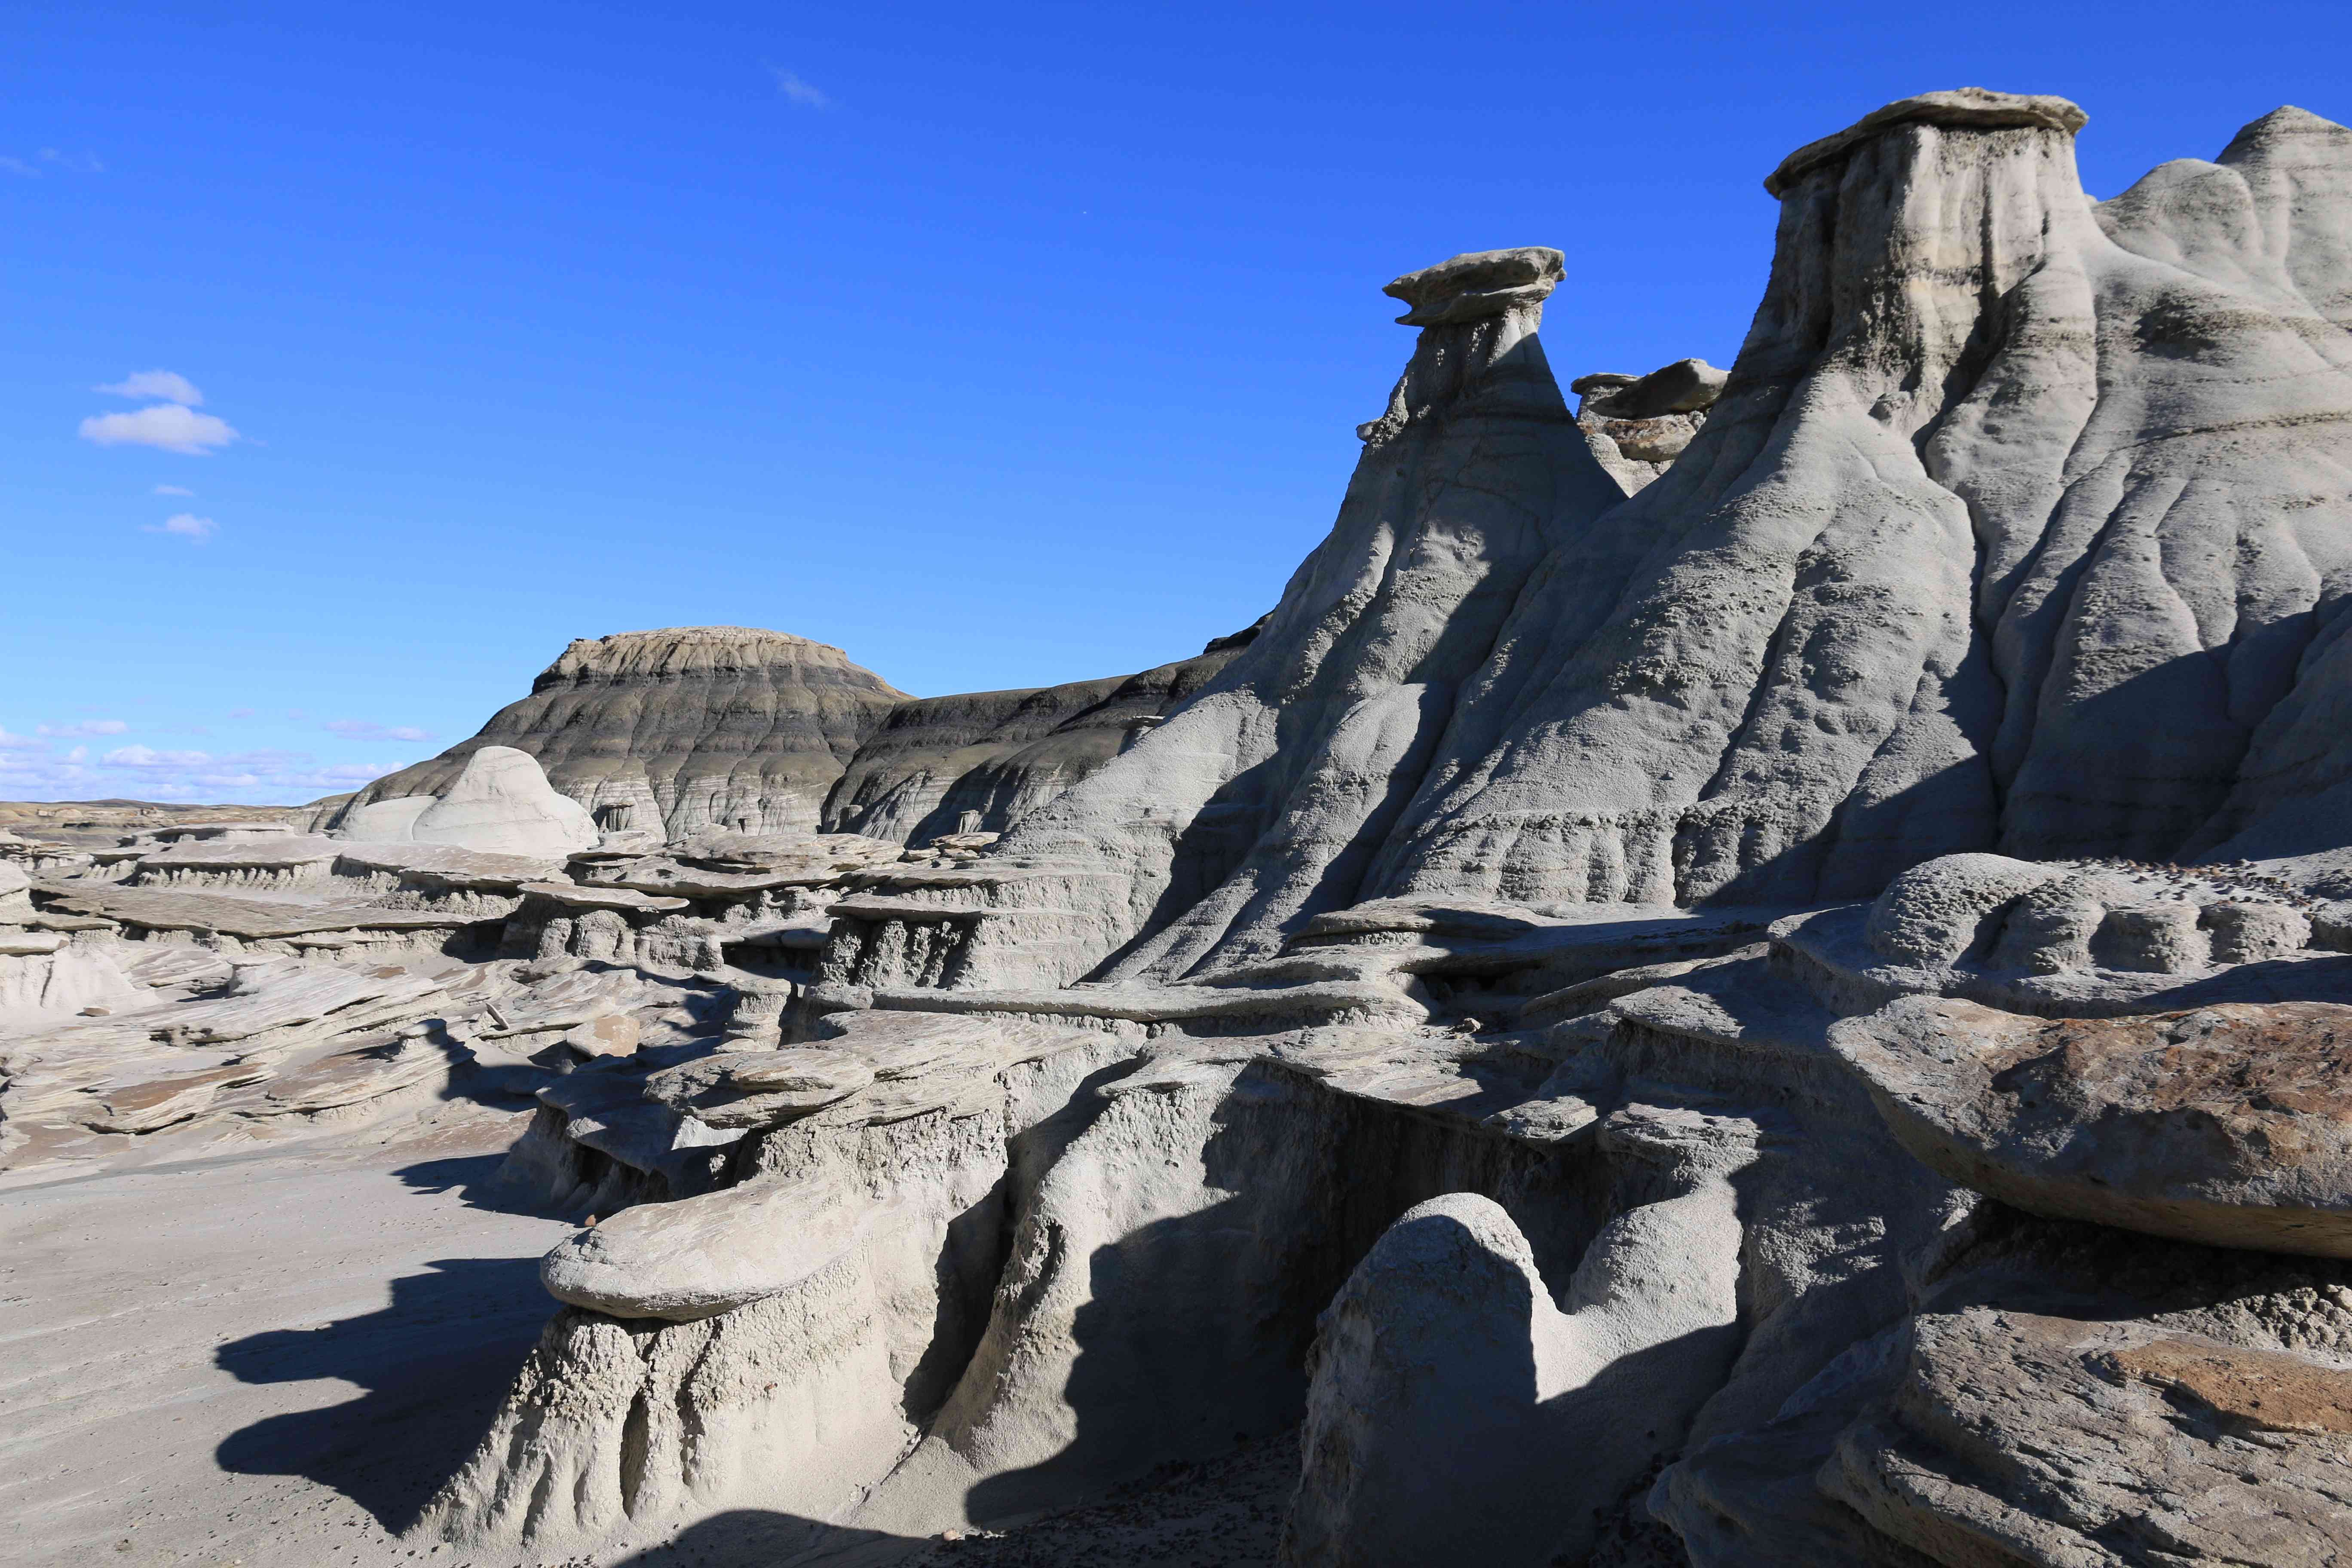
(1965,107)
(2281,125)
(1478,285)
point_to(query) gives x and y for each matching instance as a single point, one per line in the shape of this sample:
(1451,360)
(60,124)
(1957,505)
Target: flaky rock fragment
(761,1089)
(2229,1125)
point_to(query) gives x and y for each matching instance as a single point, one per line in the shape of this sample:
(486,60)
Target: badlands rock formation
(1700,993)
(681,730)
(972,762)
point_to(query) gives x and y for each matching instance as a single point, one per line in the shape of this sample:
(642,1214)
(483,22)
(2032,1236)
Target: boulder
(2229,1125)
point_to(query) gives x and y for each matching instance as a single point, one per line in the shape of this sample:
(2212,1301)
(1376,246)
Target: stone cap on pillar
(1974,107)
(1483,283)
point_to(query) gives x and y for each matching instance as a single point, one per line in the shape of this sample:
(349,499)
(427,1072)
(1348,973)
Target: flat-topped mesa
(1478,314)
(682,729)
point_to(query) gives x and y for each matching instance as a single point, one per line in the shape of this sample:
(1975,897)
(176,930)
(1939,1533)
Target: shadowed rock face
(680,730)
(1000,753)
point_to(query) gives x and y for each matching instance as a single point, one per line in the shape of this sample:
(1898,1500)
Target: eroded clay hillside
(1752,971)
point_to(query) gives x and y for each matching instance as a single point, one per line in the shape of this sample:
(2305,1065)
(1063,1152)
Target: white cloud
(369,729)
(240,712)
(18,166)
(20,742)
(83,726)
(260,778)
(187,524)
(169,425)
(170,490)
(136,756)
(798,91)
(168,385)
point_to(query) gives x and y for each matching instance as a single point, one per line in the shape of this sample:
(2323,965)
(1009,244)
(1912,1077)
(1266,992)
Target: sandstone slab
(2229,1125)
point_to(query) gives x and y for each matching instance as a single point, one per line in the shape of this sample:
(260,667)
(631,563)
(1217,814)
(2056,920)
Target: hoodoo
(1749,974)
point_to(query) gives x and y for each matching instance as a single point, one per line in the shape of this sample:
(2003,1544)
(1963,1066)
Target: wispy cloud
(798,92)
(167,385)
(9,742)
(138,756)
(240,712)
(83,726)
(369,729)
(260,777)
(170,490)
(52,161)
(187,524)
(173,427)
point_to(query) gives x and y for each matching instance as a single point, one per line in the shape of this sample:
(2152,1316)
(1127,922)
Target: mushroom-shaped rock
(703,1256)
(1480,284)
(761,1089)
(2229,1125)
(1936,914)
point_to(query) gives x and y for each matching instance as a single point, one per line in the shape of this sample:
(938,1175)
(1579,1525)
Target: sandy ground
(261,1359)
(272,1358)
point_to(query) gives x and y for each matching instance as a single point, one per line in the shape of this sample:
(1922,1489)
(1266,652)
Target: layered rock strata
(976,762)
(680,729)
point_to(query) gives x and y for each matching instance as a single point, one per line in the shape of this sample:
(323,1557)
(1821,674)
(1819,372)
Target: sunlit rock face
(681,730)
(1646,1018)
(2020,523)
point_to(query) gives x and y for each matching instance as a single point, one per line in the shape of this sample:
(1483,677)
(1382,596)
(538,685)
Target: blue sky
(998,346)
